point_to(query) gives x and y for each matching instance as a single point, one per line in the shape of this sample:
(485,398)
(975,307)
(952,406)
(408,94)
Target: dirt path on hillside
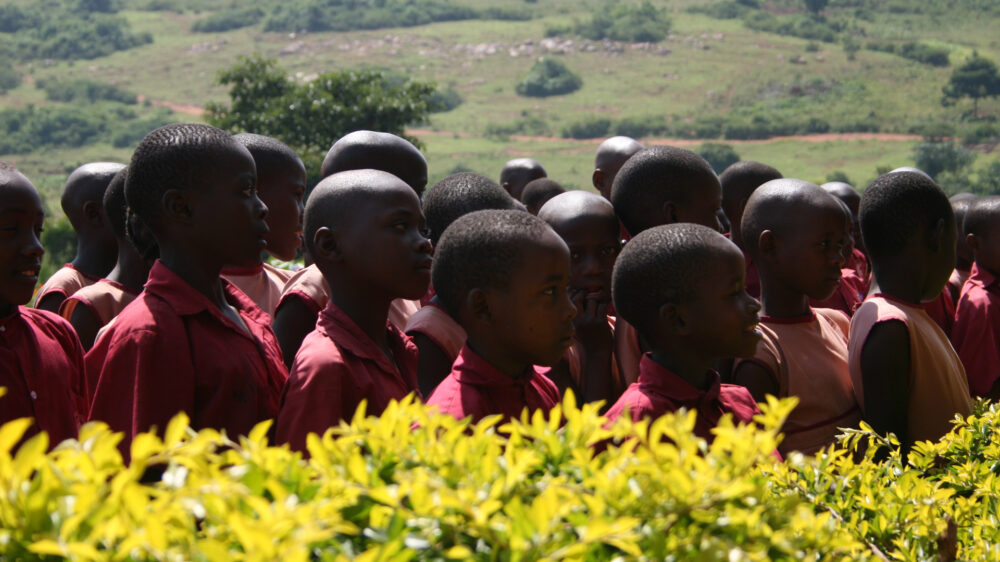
(176,107)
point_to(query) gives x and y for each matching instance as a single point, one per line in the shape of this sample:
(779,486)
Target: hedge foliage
(381,489)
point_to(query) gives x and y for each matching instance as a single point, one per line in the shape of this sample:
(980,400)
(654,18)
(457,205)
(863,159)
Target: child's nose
(570,308)
(33,247)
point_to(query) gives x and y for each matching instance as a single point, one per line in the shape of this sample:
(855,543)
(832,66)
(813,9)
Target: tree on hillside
(977,78)
(310,116)
(937,157)
(816,6)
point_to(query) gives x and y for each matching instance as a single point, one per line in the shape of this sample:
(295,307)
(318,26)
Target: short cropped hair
(115,207)
(739,180)
(982,213)
(537,192)
(663,264)
(460,194)
(482,250)
(361,150)
(174,156)
(268,152)
(653,176)
(895,206)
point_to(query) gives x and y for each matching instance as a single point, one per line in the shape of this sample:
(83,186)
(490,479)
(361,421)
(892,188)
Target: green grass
(714,67)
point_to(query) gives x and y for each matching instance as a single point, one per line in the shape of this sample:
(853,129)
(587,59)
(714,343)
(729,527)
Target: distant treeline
(81,29)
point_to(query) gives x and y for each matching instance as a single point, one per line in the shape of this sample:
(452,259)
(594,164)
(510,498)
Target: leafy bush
(313,15)
(982,134)
(638,127)
(936,157)
(380,488)
(724,10)
(528,125)
(548,77)
(926,54)
(66,30)
(84,91)
(228,19)
(590,128)
(719,155)
(445,100)
(33,128)
(10,78)
(805,27)
(626,22)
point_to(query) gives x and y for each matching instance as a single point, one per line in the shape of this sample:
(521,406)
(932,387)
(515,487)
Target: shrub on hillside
(935,157)
(528,125)
(590,128)
(719,155)
(308,15)
(228,19)
(84,91)
(548,77)
(626,22)
(638,127)
(61,31)
(806,27)
(10,78)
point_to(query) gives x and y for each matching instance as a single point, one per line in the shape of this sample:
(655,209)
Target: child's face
(594,243)
(988,248)
(229,213)
(386,247)
(703,207)
(282,189)
(808,258)
(21,251)
(722,319)
(532,319)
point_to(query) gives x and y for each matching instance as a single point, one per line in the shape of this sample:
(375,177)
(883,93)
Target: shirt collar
(339,327)
(186,301)
(657,379)
(472,368)
(242,271)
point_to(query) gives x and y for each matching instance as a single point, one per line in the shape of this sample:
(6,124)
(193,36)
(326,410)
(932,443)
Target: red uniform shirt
(336,368)
(976,333)
(659,391)
(942,311)
(41,364)
(478,389)
(173,350)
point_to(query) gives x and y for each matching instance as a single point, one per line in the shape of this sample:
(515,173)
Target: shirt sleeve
(976,337)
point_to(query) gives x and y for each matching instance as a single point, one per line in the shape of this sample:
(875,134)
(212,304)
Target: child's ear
(674,319)
(668,213)
(767,243)
(326,247)
(93,213)
(973,242)
(478,303)
(596,178)
(176,205)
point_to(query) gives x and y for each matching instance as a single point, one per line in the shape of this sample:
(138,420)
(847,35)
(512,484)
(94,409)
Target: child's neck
(6,309)
(130,271)
(779,302)
(369,314)
(904,283)
(497,357)
(201,277)
(91,259)
(694,370)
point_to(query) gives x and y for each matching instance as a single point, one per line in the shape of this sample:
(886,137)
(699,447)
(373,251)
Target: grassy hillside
(706,68)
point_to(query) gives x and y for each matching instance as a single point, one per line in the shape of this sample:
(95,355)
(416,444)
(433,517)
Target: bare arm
(86,324)
(433,364)
(885,373)
(757,379)
(292,323)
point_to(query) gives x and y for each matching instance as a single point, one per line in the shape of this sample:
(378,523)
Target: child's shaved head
(664,264)
(114,204)
(481,250)
(895,206)
(517,173)
(461,194)
(179,156)
(783,206)
(573,204)
(610,157)
(738,182)
(86,183)
(268,152)
(664,184)
(982,215)
(335,200)
(846,193)
(537,192)
(377,151)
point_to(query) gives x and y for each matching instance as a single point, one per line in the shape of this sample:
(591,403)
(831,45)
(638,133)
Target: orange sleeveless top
(65,282)
(938,387)
(807,356)
(309,285)
(263,284)
(105,299)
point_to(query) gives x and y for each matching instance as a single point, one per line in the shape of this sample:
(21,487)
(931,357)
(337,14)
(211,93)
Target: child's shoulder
(834,317)
(47,322)
(309,285)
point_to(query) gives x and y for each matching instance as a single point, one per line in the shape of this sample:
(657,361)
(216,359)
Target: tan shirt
(105,299)
(66,281)
(263,284)
(938,387)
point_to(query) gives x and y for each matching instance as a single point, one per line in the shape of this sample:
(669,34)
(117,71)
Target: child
(797,235)
(537,192)
(963,254)
(96,249)
(438,336)
(850,196)
(191,341)
(362,150)
(517,173)
(281,185)
(306,292)
(587,224)
(41,361)
(681,286)
(93,306)
(853,288)
(504,276)
(907,378)
(661,185)
(355,354)
(610,157)
(976,333)
(739,181)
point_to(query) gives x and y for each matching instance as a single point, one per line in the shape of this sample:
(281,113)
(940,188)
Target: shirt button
(34,395)
(3,328)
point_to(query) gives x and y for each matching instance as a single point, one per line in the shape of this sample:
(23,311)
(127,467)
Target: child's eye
(574,256)
(549,292)
(425,232)
(609,251)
